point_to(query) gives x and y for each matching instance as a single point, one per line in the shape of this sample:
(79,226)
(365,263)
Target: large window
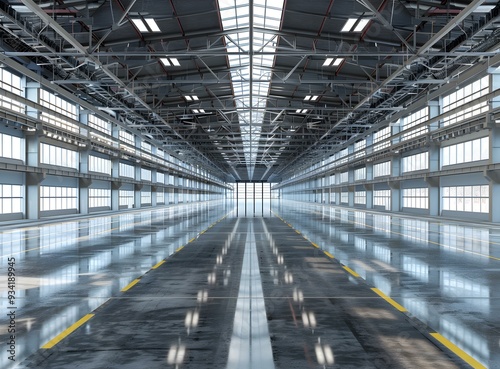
(58,198)
(415,162)
(126,198)
(382,198)
(360,174)
(146,150)
(360,197)
(127,170)
(473,199)
(344,197)
(145,197)
(466,152)
(63,107)
(379,136)
(145,174)
(11,199)
(344,177)
(416,198)
(11,147)
(359,149)
(12,83)
(412,120)
(160,196)
(99,124)
(100,165)
(160,177)
(55,155)
(99,197)
(463,96)
(382,169)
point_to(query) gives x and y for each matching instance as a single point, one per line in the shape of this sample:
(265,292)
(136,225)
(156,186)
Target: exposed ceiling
(197,85)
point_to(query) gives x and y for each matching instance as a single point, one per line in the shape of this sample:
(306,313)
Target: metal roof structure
(252,90)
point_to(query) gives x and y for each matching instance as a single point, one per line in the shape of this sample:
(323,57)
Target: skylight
(333,62)
(146,25)
(170,62)
(251,87)
(355,25)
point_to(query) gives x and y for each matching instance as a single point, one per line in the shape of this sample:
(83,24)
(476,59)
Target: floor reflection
(66,270)
(445,273)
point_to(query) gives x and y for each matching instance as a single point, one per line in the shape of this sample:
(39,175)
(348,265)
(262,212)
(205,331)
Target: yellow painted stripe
(130,285)
(191,240)
(203,231)
(312,243)
(297,232)
(389,300)
(157,265)
(179,249)
(329,255)
(351,271)
(458,351)
(54,341)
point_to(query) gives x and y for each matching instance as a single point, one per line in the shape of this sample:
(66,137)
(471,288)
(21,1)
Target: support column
(434,164)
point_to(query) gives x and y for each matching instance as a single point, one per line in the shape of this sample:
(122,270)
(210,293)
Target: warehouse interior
(250,183)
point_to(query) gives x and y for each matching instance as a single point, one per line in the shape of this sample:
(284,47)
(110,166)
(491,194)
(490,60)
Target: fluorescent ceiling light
(301,111)
(361,25)
(152,25)
(140,25)
(355,25)
(191,97)
(349,25)
(333,62)
(170,62)
(311,98)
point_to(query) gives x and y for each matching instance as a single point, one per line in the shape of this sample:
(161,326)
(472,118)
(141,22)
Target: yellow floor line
(157,265)
(329,255)
(389,300)
(458,351)
(351,271)
(312,243)
(179,249)
(54,341)
(130,285)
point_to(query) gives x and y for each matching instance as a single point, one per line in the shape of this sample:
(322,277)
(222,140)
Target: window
(100,165)
(382,169)
(99,197)
(160,177)
(382,198)
(474,199)
(11,147)
(126,198)
(63,107)
(58,198)
(145,174)
(127,137)
(360,174)
(99,124)
(54,155)
(416,198)
(359,149)
(342,156)
(463,96)
(160,197)
(466,152)
(12,83)
(344,197)
(127,170)
(146,150)
(415,162)
(379,136)
(360,197)
(145,197)
(11,199)
(344,177)
(415,119)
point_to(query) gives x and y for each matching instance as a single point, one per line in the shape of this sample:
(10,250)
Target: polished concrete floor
(212,286)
